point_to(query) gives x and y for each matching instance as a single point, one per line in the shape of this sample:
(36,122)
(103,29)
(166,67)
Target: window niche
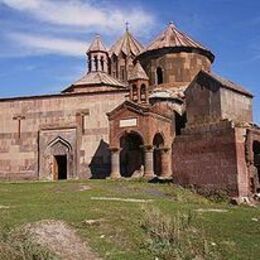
(159,75)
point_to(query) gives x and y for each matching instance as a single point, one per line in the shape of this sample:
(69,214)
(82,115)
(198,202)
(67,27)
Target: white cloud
(83,14)
(49,45)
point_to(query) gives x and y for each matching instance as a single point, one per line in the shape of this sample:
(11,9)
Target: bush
(175,238)
(18,245)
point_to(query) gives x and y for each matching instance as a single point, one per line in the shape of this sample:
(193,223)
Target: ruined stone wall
(179,68)
(84,113)
(211,157)
(236,106)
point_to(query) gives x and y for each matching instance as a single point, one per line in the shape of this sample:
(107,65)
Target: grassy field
(165,221)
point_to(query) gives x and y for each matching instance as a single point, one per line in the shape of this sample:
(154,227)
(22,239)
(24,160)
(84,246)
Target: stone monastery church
(155,110)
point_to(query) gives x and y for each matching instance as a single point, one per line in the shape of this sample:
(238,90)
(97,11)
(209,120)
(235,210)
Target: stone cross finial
(127,26)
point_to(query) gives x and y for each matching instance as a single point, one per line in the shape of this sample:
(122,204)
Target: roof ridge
(172,37)
(127,44)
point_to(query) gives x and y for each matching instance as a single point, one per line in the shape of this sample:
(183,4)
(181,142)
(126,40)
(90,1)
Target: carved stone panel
(53,143)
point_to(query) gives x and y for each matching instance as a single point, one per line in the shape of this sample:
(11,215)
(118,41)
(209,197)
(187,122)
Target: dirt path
(61,239)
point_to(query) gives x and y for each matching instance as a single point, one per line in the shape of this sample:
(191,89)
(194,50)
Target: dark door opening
(61,161)
(131,155)
(158,143)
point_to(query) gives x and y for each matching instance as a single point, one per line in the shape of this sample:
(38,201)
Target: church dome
(127,44)
(174,59)
(97,45)
(175,40)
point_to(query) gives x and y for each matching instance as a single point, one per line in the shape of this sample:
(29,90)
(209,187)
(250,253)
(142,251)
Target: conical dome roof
(127,44)
(138,72)
(171,37)
(97,45)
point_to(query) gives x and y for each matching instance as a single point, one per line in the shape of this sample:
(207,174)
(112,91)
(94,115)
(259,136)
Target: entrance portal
(131,155)
(60,167)
(158,143)
(256,149)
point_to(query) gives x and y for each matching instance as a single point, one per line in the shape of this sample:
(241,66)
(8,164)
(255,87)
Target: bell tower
(139,83)
(97,56)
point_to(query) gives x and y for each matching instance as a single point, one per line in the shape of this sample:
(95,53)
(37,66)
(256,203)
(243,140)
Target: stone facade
(79,119)
(138,112)
(179,68)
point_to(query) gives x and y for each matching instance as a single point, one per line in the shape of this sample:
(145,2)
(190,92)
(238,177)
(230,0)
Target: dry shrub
(20,246)
(175,237)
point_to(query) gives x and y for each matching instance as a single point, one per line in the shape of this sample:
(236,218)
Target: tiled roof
(97,45)
(98,78)
(227,83)
(171,37)
(138,72)
(127,44)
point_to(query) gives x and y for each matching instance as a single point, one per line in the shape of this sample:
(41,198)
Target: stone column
(105,65)
(98,63)
(148,161)
(139,93)
(93,68)
(166,162)
(115,163)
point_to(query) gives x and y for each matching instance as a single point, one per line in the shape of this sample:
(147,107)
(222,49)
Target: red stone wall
(178,68)
(147,127)
(211,159)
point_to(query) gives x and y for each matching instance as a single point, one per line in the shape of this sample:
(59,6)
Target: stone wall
(179,68)
(236,106)
(209,101)
(85,113)
(213,158)
(202,104)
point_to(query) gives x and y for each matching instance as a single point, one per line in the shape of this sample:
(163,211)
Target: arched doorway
(131,155)
(61,158)
(256,150)
(158,143)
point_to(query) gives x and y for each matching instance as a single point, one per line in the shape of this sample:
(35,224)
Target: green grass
(232,234)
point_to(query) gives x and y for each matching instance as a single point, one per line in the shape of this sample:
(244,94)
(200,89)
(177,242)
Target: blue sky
(43,42)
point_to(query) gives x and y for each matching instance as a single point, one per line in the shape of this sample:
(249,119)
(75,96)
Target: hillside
(123,220)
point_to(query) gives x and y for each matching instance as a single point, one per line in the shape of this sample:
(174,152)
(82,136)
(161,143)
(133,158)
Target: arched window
(96,63)
(102,63)
(135,94)
(143,92)
(159,75)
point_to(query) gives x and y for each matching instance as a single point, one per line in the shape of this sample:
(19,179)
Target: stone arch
(131,153)
(158,144)
(159,75)
(60,153)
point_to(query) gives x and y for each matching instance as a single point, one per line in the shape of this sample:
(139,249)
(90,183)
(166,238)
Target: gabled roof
(98,78)
(128,104)
(225,83)
(171,37)
(140,109)
(138,72)
(97,45)
(127,44)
